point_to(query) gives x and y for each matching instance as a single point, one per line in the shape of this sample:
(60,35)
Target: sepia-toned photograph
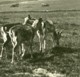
(39,38)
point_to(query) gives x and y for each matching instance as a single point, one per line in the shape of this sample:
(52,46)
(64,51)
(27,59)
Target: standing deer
(20,34)
(5,36)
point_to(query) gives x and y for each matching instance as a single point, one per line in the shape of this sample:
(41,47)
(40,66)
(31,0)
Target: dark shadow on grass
(51,53)
(62,50)
(35,55)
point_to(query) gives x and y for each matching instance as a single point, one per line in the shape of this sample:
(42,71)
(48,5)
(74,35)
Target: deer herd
(19,33)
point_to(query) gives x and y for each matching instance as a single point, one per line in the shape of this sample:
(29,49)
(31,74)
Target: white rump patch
(3,34)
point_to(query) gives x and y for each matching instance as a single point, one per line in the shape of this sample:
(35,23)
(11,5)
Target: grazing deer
(56,38)
(50,28)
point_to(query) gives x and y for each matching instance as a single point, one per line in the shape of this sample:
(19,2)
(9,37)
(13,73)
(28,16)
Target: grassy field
(64,59)
(36,5)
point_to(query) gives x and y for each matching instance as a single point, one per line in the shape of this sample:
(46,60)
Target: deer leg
(44,43)
(54,37)
(31,50)
(23,50)
(13,51)
(2,49)
(40,44)
(4,35)
(14,44)
(57,41)
(20,50)
(53,40)
(4,46)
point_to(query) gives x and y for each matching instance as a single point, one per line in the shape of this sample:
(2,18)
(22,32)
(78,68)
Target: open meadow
(64,59)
